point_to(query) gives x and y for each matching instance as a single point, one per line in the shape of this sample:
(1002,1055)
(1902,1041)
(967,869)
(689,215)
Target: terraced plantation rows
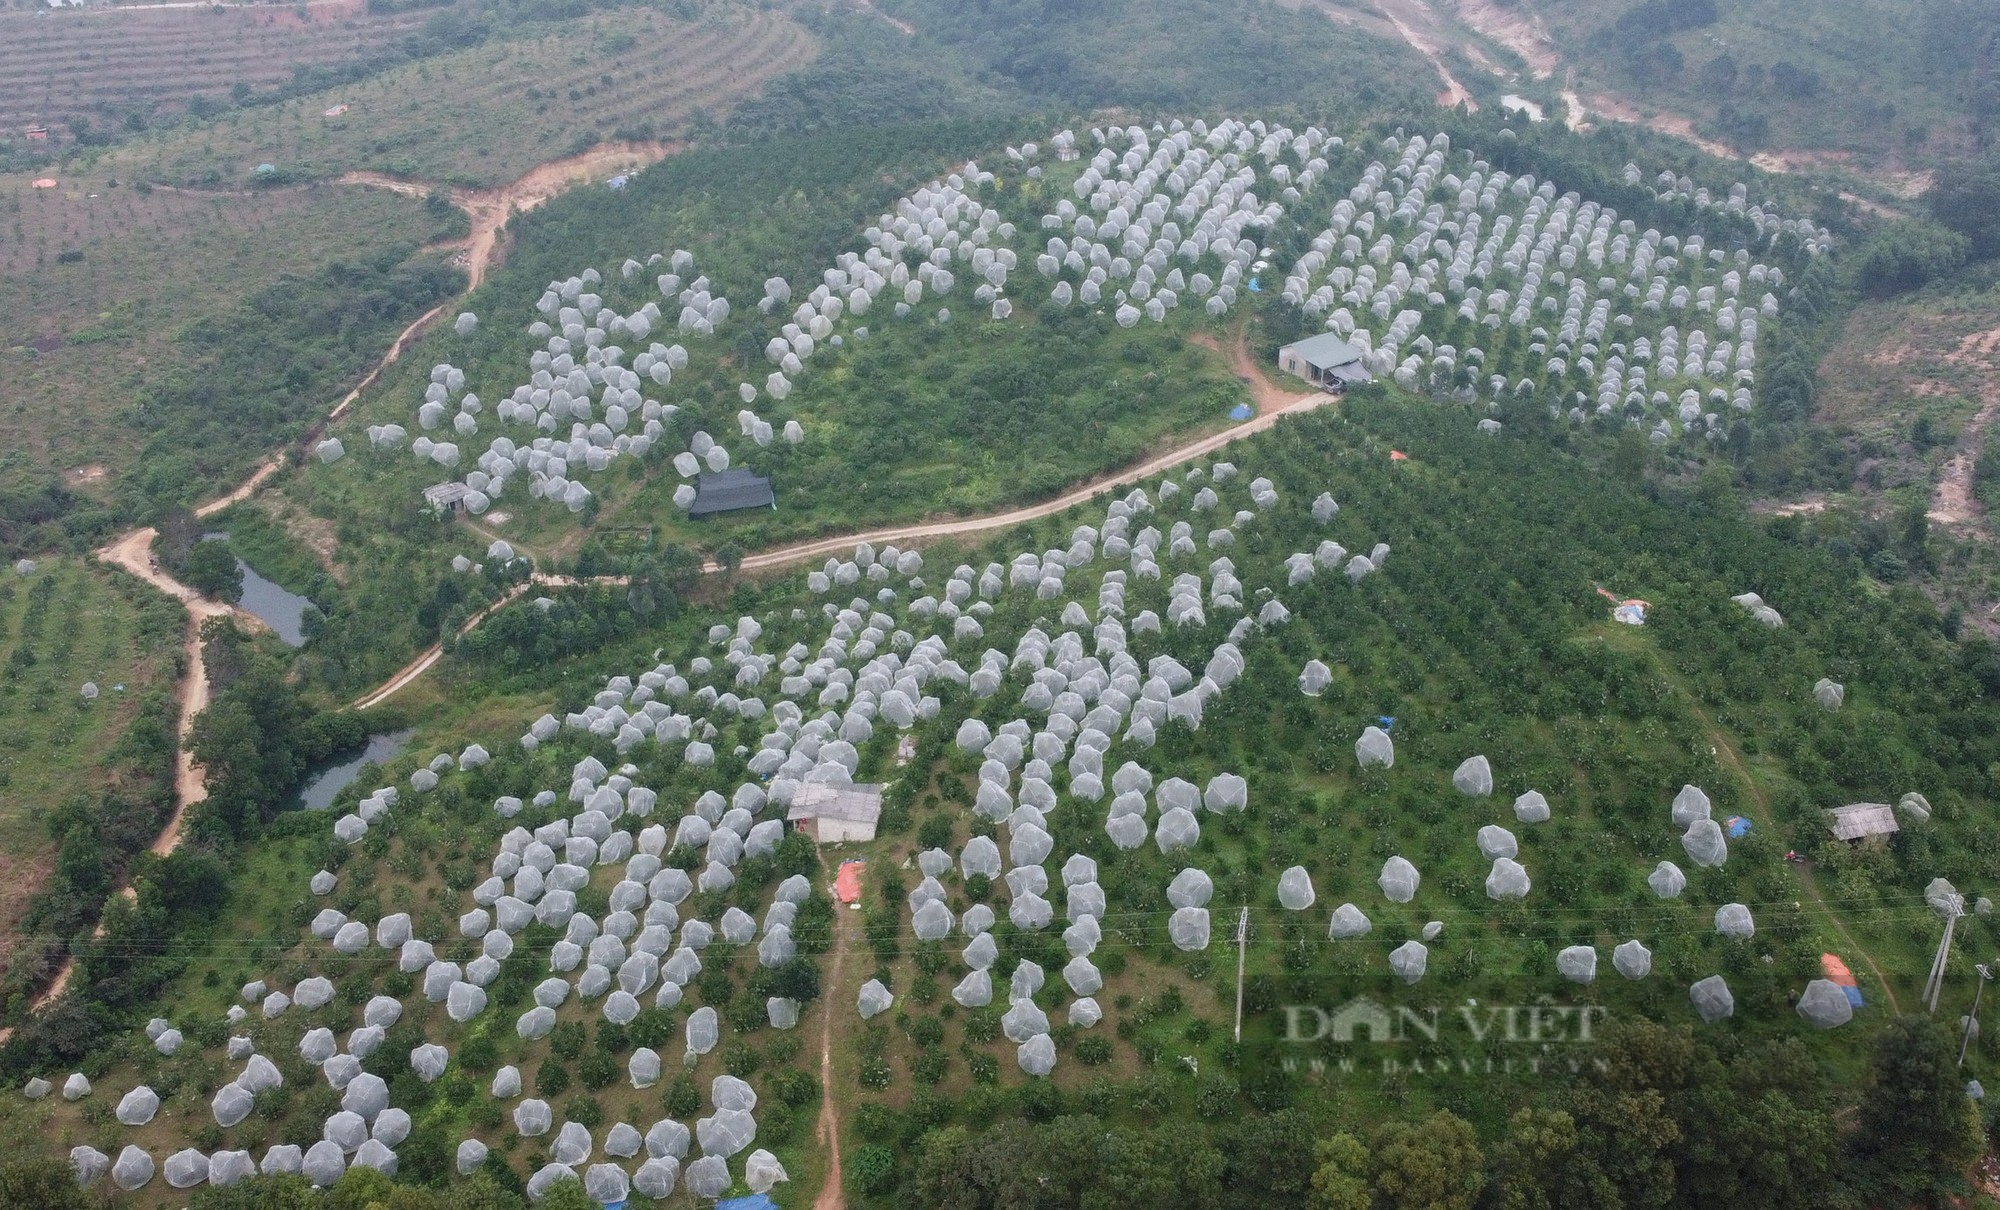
(55,66)
(506,106)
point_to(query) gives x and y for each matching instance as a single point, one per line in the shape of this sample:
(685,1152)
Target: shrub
(931,1066)
(872,1169)
(795,1087)
(982,1026)
(551,1078)
(876,1073)
(878,1123)
(597,1069)
(1093,1051)
(566,1040)
(584,1110)
(682,1099)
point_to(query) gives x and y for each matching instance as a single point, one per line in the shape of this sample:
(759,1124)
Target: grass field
(66,623)
(484,116)
(87,332)
(101,65)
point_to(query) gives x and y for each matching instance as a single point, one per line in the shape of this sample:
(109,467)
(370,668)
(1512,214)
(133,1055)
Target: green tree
(1540,1165)
(1919,1131)
(1341,1180)
(1906,254)
(41,1183)
(211,570)
(1966,198)
(1434,1164)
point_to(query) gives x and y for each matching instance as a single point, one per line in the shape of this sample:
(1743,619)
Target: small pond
(282,610)
(324,781)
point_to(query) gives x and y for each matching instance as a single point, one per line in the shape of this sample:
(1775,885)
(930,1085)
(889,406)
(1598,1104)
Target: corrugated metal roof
(1856,820)
(822,800)
(1323,352)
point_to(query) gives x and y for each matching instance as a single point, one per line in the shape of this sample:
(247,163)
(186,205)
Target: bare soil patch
(1515,28)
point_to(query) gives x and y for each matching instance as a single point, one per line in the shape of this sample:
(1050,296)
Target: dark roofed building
(731,491)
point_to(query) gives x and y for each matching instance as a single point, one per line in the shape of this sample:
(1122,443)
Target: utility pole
(1242,938)
(1934,986)
(1972,1021)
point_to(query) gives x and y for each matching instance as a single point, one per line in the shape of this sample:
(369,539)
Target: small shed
(732,491)
(446,498)
(1856,820)
(1325,360)
(831,814)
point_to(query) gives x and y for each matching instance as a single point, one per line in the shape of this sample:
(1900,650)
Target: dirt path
(490,209)
(1273,403)
(1417,24)
(1515,28)
(903,27)
(422,664)
(1273,406)
(430,655)
(1953,501)
(134,553)
(832,1194)
(1725,751)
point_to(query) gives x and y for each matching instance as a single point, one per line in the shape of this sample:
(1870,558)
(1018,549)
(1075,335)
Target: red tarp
(847,884)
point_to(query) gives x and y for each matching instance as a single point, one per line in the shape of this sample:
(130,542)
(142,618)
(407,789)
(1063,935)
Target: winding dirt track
(1273,404)
(132,551)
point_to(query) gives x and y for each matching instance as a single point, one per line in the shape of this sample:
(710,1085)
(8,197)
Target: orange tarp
(847,884)
(1836,970)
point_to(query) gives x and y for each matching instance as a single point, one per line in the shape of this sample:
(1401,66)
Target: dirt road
(832,1194)
(133,552)
(1418,24)
(490,209)
(1273,403)
(904,535)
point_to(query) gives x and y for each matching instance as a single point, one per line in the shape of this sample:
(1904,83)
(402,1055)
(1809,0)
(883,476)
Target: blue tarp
(1736,826)
(1241,411)
(1853,996)
(756,1201)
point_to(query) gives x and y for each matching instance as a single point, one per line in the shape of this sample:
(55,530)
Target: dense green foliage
(1966,198)
(254,741)
(256,738)
(107,815)
(255,379)
(1136,53)
(1877,77)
